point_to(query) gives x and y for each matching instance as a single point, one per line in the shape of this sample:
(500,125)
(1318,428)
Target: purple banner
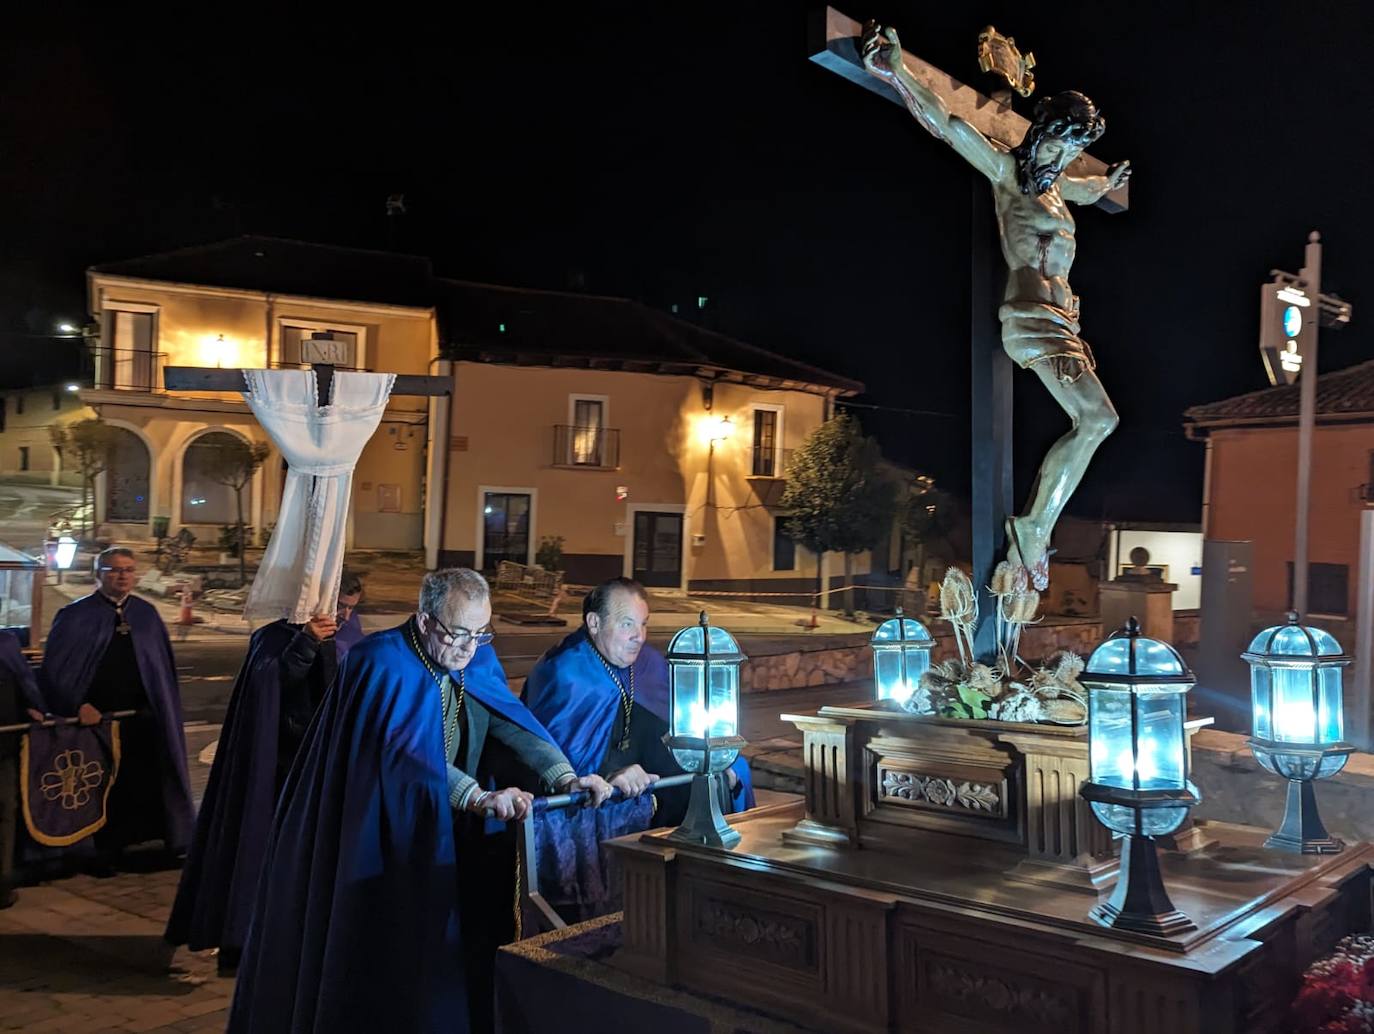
(68,772)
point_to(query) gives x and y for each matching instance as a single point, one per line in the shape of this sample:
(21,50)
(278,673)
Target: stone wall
(849,658)
(1235,788)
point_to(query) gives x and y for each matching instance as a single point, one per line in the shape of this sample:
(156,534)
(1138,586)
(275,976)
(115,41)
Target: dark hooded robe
(358,923)
(117,657)
(18,692)
(283,679)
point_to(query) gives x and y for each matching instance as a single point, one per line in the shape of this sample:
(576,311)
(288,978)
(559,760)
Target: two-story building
(649,445)
(1251,488)
(653,447)
(249,302)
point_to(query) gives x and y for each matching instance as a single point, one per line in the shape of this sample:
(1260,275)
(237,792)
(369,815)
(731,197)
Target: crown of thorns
(1067,116)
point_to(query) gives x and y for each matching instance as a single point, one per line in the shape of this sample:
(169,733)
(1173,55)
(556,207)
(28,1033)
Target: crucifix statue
(1036,170)
(321,419)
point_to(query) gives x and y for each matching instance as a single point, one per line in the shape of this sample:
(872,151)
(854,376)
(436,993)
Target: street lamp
(703,679)
(901,655)
(1296,699)
(1139,787)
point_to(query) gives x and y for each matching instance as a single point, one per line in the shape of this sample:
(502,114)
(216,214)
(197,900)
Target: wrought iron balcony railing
(128,369)
(588,448)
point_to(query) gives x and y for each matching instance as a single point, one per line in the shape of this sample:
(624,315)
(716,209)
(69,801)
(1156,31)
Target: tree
(837,497)
(927,518)
(233,463)
(89,444)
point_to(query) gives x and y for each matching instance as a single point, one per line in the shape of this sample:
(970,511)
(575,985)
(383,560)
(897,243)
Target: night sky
(667,151)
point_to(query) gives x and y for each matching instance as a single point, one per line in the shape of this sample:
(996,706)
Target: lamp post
(703,680)
(1296,702)
(1137,688)
(63,553)
(901,655)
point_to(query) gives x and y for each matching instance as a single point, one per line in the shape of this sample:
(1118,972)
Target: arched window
(126,478)
(204,499)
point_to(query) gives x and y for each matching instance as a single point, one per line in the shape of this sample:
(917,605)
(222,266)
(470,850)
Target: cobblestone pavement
(86,955)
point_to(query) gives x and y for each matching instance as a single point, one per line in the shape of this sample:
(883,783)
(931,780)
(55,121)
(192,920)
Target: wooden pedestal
(878,777)
(933,938)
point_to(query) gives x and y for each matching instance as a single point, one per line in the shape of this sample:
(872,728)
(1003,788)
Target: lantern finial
(702,620)
(1132,626)
(1292,617)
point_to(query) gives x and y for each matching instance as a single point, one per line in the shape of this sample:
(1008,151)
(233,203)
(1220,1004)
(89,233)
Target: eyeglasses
(461,637)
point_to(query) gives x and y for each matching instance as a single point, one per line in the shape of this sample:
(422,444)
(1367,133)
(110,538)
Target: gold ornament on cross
(998,54)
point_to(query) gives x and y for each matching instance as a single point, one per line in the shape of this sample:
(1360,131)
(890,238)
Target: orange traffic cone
(186,617)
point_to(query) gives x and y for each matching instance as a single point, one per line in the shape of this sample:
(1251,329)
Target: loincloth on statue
(1038,332)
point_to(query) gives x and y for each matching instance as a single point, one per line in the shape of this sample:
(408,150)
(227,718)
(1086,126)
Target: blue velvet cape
(356,924)
(571,693)
(80,633)
(220,879)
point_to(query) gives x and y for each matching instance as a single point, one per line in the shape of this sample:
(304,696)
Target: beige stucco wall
(502,436)
(30,430)
(189,324)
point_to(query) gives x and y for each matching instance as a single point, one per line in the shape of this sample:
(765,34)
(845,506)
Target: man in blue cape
(363,914)
(283,679)
(107,652)
(603,695)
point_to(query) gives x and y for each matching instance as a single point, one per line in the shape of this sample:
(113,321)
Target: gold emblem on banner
(71,779)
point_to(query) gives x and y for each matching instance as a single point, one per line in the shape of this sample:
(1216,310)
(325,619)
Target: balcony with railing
(769,463)
(128,369)
(586,448)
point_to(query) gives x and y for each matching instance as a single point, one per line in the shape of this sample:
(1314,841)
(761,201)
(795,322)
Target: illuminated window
(766,457)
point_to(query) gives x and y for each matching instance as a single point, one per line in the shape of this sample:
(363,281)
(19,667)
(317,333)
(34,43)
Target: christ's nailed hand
(881,49)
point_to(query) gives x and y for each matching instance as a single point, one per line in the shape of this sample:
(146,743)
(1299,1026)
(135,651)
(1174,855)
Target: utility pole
(1307,416)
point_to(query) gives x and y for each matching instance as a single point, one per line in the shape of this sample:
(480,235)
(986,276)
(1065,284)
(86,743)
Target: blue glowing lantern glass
(1296,697)
(1138,756)
(1137,693)
(901,655)
(703,675)
(1296,700)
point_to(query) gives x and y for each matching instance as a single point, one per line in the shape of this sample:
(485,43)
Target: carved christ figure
(1039,312)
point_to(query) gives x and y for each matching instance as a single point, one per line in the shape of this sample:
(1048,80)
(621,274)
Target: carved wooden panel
(769,936)
(982,800)
(729,923)
(940,791)
(951,983)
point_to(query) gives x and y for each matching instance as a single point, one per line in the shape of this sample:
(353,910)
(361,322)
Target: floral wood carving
(784,940)
(984,798)
(1044,1006)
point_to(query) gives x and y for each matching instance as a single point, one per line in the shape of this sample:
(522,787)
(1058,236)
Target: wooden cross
(834,44)
(199,378)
